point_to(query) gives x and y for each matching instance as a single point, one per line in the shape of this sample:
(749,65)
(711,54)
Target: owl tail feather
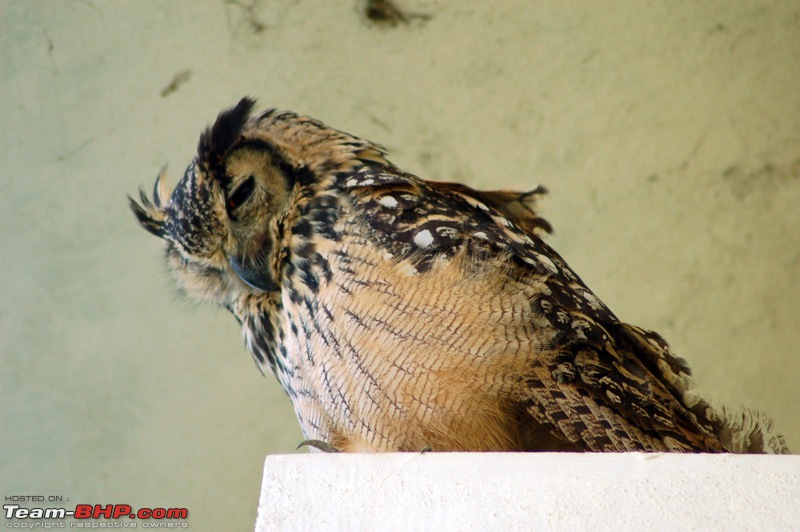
(740,431)
(747,431)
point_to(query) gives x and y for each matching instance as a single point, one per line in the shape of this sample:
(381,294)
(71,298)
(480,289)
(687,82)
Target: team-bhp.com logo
(89,516)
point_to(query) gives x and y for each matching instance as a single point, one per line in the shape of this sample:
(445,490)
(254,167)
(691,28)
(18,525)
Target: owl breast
(393,358)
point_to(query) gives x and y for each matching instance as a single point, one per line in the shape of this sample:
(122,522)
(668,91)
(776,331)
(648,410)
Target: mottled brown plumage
(402,314)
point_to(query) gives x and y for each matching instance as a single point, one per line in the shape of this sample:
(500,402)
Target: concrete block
(529,491)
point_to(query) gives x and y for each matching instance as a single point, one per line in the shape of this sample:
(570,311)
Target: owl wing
(602,385)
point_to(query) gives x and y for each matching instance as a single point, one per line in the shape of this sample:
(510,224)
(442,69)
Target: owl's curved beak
(253,277)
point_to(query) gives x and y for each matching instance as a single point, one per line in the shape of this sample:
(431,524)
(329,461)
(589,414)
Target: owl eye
(240,195)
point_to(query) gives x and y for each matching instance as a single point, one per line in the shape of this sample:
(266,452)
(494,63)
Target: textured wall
(668,135)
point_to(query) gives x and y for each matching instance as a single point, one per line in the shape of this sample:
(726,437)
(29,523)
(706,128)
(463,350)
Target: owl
(401,314)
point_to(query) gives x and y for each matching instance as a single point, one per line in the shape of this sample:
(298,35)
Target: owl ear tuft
(151,214)
(218,139)
(148,215)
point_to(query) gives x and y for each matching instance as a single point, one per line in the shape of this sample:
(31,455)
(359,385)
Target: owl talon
(426,449)
(323,446)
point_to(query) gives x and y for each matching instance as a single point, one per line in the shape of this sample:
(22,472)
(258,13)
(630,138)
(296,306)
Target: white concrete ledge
(532,491)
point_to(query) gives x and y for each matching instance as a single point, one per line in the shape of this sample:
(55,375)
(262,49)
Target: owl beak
(253,277)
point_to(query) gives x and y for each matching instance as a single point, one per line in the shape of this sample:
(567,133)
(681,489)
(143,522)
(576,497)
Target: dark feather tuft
(218,139)
(144,213)
(157,200)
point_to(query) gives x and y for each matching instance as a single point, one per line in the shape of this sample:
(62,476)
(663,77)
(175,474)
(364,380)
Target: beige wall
(668,135)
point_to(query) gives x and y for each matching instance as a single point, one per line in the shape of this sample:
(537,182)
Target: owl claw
(325,447)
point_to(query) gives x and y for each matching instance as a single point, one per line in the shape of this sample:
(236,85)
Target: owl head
(223,221)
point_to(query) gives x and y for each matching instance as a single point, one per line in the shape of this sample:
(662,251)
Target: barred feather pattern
(401,314)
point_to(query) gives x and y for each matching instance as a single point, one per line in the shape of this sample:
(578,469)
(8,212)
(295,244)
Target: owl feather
(401,314)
